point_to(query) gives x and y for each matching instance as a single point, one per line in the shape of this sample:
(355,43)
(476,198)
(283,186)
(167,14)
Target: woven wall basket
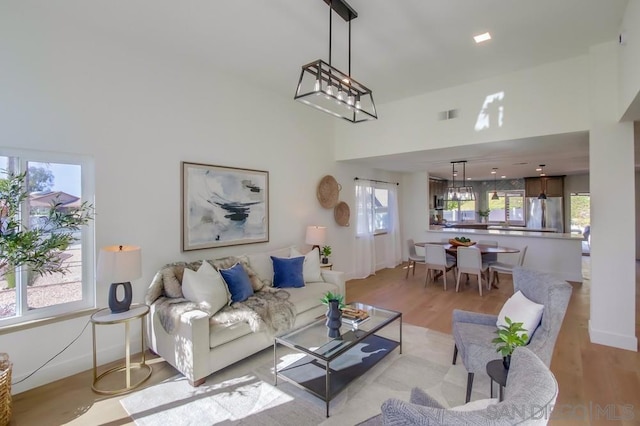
(341,213)
(5,389)
(328,192)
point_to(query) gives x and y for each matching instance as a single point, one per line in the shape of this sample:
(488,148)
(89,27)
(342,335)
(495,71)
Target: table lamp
(119,265)
(316,236)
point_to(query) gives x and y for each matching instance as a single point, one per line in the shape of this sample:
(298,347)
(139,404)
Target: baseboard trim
(615,340)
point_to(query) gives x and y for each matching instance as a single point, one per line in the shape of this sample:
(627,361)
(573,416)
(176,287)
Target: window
(380,210)
(459,211)
(509,208)
(64,179)
(376,209)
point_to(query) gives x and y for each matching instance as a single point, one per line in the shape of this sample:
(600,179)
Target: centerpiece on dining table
(461,241)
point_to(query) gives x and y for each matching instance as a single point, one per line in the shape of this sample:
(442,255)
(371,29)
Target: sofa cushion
(262,265)
(311,267)
(520,309)
(171,283)
(228,262)
(219,334)
(308,297)
(206,288)
(238,282)
(287,272)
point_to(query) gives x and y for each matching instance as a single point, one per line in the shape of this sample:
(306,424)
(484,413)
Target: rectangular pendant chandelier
(459,193)
(328,89)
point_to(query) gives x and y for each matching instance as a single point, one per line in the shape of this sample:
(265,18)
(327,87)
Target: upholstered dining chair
(530,395)
(414,258)
(436,260)
(506,268)
(473,331)
(470,262)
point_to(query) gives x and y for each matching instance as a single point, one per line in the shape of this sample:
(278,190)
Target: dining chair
(436,260)
(470,262)
(414,258)
(489,258)
(506,268)
(449,256)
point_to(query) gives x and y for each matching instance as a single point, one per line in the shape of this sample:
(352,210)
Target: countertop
(509,233)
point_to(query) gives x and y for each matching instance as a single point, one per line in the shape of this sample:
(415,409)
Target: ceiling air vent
(448,115)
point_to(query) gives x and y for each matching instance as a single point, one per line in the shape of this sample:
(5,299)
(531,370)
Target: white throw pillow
(311,267)
(520,309)
(261,264)
(206,288)
(480,404)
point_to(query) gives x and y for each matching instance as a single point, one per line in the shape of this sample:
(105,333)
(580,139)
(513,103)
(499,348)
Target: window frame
(376,210)
(87,240)
(503,196)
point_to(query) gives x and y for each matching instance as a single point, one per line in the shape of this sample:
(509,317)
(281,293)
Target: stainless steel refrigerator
(545,214)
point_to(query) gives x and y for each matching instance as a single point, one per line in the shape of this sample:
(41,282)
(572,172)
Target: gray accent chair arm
(474,317)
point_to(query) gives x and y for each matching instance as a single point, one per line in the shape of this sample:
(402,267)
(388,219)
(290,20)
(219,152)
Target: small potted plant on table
(484,215)
(326,252)
(510,336)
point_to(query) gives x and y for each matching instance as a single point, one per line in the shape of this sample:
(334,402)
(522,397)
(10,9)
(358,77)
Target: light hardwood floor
(587,374)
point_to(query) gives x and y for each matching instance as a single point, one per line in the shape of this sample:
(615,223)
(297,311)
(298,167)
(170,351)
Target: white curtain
(365,250)
(394,247)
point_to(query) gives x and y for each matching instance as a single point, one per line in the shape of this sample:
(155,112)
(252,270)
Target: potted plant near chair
(510,336)
(326,252)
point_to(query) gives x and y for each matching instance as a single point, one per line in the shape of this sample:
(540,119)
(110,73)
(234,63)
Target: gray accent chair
(473,332)
(530,394)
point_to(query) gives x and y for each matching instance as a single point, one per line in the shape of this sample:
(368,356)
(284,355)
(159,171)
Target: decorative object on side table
(316,236)
(510,336)
(326,252)
(119,265)
(334,302)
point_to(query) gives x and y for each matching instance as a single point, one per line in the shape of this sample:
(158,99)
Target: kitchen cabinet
(553,186)
(437,189)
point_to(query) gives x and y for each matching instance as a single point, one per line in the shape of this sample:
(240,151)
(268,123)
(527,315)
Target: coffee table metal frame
(379,318)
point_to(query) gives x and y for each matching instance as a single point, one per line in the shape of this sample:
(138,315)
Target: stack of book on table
(354,316)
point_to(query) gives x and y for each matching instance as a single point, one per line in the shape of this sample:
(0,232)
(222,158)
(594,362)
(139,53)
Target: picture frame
(223,206)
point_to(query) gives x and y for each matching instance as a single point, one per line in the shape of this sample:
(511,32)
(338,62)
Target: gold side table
(106,317)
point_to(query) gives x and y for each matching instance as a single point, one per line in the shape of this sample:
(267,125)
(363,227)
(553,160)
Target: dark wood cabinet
(553,186)
(437,189)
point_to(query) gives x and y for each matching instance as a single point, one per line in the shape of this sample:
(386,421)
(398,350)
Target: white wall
(613,271)
(139,113)
(539,101)
(629,63)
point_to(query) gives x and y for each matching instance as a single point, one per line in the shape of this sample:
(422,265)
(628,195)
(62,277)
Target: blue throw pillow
(288,272)
(238,282)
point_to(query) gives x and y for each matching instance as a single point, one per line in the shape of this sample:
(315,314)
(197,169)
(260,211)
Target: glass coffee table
(330,364)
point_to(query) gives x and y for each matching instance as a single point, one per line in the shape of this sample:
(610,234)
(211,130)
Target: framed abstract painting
(223,206)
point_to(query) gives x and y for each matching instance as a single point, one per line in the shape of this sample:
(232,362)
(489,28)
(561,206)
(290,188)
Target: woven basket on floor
(5,389)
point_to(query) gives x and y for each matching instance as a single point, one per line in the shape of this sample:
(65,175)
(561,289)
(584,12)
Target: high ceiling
(399,48)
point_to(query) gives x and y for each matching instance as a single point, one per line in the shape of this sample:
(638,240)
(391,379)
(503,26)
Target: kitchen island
(556,253)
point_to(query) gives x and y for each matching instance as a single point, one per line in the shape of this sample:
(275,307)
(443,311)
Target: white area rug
(244,394)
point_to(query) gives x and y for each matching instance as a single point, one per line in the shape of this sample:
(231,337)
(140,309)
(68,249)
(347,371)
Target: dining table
(484,249)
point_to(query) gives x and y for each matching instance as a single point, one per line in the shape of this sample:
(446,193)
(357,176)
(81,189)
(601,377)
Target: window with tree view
(459,211)
(46,239)
(508,208)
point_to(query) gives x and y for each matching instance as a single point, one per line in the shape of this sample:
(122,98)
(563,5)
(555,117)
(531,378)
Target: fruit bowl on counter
(461,241)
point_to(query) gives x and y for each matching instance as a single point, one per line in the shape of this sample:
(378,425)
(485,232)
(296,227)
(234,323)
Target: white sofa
(197,348)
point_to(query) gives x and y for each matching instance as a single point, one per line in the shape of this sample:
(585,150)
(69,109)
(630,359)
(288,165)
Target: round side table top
(497,372)
(105,316)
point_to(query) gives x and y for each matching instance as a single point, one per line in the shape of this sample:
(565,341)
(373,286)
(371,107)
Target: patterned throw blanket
(268,311)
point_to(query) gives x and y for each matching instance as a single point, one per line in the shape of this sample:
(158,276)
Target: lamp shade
(316,235)
(119,264)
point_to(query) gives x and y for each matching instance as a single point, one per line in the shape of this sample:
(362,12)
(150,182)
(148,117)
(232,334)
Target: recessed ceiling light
(482,37)
(503,177)
(468,178)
